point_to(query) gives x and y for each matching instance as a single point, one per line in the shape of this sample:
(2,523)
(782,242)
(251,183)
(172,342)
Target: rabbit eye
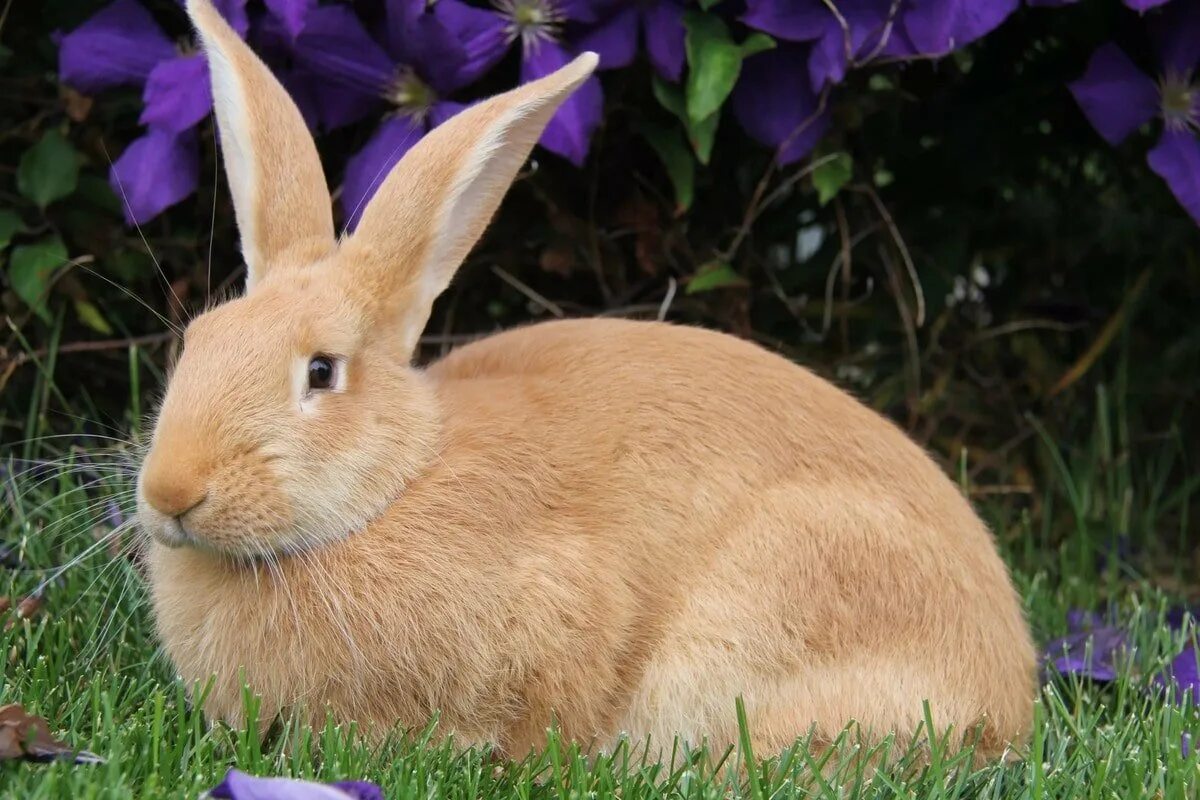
(320,372)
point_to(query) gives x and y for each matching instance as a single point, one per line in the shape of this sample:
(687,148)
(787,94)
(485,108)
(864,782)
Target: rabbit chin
(248,534)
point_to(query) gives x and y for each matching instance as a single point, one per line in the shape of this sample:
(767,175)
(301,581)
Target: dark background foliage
(1059,279)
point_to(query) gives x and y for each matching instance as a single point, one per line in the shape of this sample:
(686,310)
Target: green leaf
(714,61)
(701,136)
(672,150)
(31,271)
(90,315)
(707,4)
(831,176)
(10,226)
(714,275)
(49,170)
(756,43)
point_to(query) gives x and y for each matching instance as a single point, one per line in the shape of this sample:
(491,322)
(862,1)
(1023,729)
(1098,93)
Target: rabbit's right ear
(434,205)
(283,208)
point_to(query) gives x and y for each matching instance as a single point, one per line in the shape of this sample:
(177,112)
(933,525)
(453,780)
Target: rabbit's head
(293,415)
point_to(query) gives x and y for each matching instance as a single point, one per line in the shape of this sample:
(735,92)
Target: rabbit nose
(172,493)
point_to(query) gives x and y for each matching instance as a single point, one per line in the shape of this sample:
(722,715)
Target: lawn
(1108,534)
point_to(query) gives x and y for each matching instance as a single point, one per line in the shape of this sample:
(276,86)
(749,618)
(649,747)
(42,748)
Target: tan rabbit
(617,526)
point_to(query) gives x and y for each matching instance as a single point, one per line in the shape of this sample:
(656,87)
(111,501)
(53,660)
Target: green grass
(89,663)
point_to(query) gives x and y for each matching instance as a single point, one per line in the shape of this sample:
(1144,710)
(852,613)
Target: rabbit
(616,527)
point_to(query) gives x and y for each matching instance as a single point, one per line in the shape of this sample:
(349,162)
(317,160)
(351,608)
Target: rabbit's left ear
(283,208)
(435,203)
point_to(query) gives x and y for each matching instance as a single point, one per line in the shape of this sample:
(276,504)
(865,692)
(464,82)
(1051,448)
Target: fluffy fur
(618,526)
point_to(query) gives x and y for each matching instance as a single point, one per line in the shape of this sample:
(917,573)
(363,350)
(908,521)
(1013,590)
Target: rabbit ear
(279,193)
(431,209)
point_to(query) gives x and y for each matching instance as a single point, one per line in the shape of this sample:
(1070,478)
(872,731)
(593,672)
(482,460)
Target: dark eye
(320,372)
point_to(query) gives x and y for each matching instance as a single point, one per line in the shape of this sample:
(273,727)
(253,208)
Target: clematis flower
(775,105)
(869,28)
(122,45)
(552,32)
(1090,649)
(429,52)
(238,785)
(1117,98)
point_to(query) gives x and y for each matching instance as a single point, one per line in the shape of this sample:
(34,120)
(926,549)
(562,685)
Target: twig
(672,286)
(900,245)
(525,289)
(90,347)
(910,334)
(757,204)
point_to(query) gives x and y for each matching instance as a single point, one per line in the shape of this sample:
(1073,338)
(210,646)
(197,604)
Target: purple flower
(429,52)
(1182,676)
(775,105)
(1118,98)
(122,45)
(1089,650)
(238,785)
(551,33)
(862,29)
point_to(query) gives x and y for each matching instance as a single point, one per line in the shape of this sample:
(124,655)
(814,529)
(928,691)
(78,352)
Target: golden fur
(618,526)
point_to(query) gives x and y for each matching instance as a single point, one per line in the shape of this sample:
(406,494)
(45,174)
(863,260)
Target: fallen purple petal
(1181,678)
(239,785)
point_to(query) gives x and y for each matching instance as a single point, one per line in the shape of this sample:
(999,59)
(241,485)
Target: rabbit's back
(750,529)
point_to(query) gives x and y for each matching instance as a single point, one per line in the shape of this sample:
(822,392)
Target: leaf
(49,170)
(756,43)
(672,151)
(701,136)
(714,61)
(714,275)
(90,315)
(26,736)
(31,269)
(10,226)
(707,4)
(831,176)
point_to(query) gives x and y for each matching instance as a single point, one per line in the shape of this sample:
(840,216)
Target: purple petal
(178,94)
(793,20)
(335,45)
(1182,674)
(300,85)
(238,785)
(291,13)
(775,104)
(937,27)
(1145,5)
(155,172)
(118,46)
(570,130)
(1176,159)
(444,110)
(234,12)
(366,170)
(587,12)
(1176,36)
(866,21)
(1115,95)
(662,24)
(614,39)
(1088,654)
(336,106)
(450,44)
